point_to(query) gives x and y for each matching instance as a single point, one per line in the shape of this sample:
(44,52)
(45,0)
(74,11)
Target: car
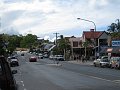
(40,56)
(115,62)
(45,55)
(33,59)
(101,62)
(22,54)
(14,61)
(59,57)
(7,80)
(51,57)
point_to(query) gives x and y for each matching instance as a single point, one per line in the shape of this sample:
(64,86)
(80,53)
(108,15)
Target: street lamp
(94,29)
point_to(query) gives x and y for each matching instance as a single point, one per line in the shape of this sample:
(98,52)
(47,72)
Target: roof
(92,34)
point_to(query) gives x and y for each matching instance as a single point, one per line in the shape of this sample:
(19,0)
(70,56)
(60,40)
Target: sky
(45,17)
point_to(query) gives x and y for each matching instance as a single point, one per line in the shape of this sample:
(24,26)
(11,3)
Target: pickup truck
(7,81)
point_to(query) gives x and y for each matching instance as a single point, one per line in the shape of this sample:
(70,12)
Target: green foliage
(2,51)
(114,29)
(28,40)
(63,44)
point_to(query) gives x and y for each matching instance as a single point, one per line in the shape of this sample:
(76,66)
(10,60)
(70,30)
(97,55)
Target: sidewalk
(81,63)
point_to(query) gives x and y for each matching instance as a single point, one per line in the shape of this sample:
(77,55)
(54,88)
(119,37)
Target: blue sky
(45,17)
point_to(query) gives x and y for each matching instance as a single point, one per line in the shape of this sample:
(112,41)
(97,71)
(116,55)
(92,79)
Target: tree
(2,51)
(114,30)
(28,40)
(118,25)
(85,45)
(63,46)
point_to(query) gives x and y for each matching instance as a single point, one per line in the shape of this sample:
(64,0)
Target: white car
(40,56)
(101,62)
(51,57)
(59,57)
(14,62)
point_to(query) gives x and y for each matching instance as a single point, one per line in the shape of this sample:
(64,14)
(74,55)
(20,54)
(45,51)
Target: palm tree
(85,45)
(112,28)
(118,25)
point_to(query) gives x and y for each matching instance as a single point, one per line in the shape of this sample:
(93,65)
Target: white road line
(114,81)
(117,81)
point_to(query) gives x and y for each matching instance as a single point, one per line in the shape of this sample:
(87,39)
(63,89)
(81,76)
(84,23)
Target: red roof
(92,34)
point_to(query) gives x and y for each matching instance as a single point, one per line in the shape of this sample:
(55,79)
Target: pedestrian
(82,58)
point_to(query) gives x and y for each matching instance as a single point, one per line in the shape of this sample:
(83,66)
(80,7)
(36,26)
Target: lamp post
(94,29)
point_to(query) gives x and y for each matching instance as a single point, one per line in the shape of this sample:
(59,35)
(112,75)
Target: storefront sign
(116,43)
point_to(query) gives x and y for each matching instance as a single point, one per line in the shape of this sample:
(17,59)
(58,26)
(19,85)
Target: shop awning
(110,50)
(113,50)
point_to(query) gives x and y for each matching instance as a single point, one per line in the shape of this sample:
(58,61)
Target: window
(75,44)
(0,70)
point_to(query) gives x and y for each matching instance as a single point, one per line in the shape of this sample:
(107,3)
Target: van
(7,81)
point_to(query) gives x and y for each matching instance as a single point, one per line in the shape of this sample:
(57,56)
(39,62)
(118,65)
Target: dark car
(7,81)
(22,54)
(14,62)
(33,59)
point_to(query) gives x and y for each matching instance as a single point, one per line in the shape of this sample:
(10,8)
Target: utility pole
(56,37)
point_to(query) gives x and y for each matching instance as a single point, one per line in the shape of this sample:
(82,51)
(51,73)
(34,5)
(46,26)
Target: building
(98,40)
(76,47)
(91,44)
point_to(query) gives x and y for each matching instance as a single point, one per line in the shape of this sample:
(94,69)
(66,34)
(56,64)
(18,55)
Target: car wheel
(111,67)
(119,67)
(101,65)
(94,65)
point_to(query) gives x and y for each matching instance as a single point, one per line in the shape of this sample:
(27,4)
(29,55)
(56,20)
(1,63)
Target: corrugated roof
(92,34)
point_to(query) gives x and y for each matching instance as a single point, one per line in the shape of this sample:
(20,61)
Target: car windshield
(104,57)
(13,58)
(105,60)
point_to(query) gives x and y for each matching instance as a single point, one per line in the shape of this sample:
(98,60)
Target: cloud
(44,17)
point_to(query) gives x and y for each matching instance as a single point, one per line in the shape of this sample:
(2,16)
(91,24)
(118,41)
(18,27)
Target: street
(47,75)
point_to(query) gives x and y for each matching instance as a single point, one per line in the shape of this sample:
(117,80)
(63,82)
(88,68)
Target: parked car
(7,81)
(59,57)
(101,62)
(45,55)
(14,61)
(22,54)
(51,57)
(40,56)
(115,62)
(33,59)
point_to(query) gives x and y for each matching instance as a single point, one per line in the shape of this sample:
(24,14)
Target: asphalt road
(47,75)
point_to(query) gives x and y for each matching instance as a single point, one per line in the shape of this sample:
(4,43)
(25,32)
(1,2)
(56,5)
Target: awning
(110,50)
(113,50)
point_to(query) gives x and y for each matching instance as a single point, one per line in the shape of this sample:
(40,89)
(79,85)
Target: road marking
(55,64)
(113,81)
(117,81)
